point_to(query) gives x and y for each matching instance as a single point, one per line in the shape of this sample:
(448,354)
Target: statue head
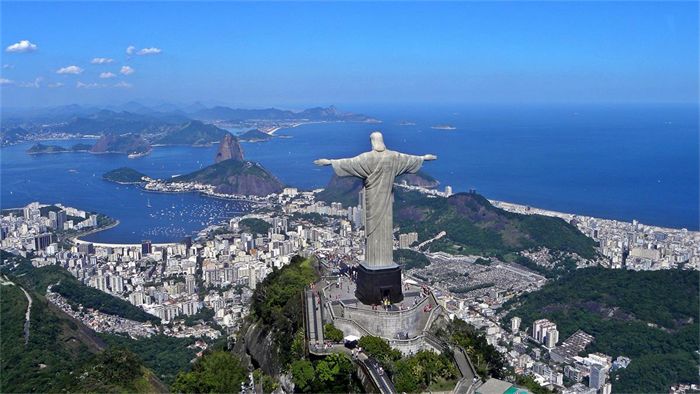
(377,140)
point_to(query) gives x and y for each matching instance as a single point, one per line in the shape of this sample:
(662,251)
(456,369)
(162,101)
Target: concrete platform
(404,325)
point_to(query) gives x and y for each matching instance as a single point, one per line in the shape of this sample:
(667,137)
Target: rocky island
(254,135)
(125,175)
(42,148)
(231,174)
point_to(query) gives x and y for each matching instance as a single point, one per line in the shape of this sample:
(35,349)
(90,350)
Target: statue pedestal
(374,285)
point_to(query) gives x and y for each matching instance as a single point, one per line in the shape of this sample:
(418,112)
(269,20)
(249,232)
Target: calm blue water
(631,162)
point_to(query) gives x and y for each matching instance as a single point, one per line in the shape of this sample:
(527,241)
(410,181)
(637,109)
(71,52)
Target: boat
(443,127)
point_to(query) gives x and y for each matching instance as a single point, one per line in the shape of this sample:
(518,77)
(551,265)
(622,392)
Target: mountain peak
(229,148)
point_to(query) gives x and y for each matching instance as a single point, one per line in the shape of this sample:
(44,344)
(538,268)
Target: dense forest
(649,316)
(61,354)
(277,303)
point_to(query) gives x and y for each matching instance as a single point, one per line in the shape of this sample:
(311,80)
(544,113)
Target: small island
(42,148)
(125,175)
(407,123)
(443,127)
(254,135)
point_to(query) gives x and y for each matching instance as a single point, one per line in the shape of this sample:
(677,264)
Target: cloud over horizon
(107,74)
(21,47)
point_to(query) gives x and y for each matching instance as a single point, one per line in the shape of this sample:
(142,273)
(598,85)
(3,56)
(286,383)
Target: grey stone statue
(378,168)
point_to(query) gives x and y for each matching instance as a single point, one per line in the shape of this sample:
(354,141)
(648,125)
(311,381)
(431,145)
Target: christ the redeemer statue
(379,278)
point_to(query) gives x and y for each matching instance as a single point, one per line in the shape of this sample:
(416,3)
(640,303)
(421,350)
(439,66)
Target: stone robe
(378,171)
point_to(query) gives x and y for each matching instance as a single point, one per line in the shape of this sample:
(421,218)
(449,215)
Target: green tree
(303,375)
(217,372)
(332,333)
(333,373)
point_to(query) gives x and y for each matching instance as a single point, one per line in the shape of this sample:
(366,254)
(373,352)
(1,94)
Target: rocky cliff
(229,149)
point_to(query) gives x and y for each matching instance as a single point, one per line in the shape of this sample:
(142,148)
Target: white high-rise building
(515,324)
(596,379)
(540,328)
(552,338)
(448,191)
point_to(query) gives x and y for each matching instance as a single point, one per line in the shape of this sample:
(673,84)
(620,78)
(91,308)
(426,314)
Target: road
(28,313)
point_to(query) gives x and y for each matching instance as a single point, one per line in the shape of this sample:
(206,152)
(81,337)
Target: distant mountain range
(165,124)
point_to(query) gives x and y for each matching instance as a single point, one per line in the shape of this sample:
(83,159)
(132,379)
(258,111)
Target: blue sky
(297,54)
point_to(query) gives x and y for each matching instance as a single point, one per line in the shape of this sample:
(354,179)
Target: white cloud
(130,50)
(90,85)
(8,66)
(126,70)
(101,60)
(21,47)
(149,51)
(55,85)
(36,83)
(4,81)
(122,84)
(69,70)
(107,74)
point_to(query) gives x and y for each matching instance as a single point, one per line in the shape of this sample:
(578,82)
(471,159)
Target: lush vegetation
(649,316)
(332,374)
(332,333)
(409,259)
(474,226)
(165,355)
(277,303)
(418,372)
(487,361)
(61,354)
(116,370)
(217,372)
(72,289)
(124,175)
(254,226)
(380,350)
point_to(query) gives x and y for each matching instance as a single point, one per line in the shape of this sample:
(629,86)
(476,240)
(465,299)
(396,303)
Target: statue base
(376,285)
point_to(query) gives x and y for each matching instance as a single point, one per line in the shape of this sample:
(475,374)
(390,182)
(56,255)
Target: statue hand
(429,157)
(322,162)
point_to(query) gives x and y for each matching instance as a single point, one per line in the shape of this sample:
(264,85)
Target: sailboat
(149,203)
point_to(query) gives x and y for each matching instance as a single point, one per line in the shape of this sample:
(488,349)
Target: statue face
(377,140)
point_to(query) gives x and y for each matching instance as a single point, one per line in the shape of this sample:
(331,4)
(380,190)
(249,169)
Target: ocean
(618,162)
